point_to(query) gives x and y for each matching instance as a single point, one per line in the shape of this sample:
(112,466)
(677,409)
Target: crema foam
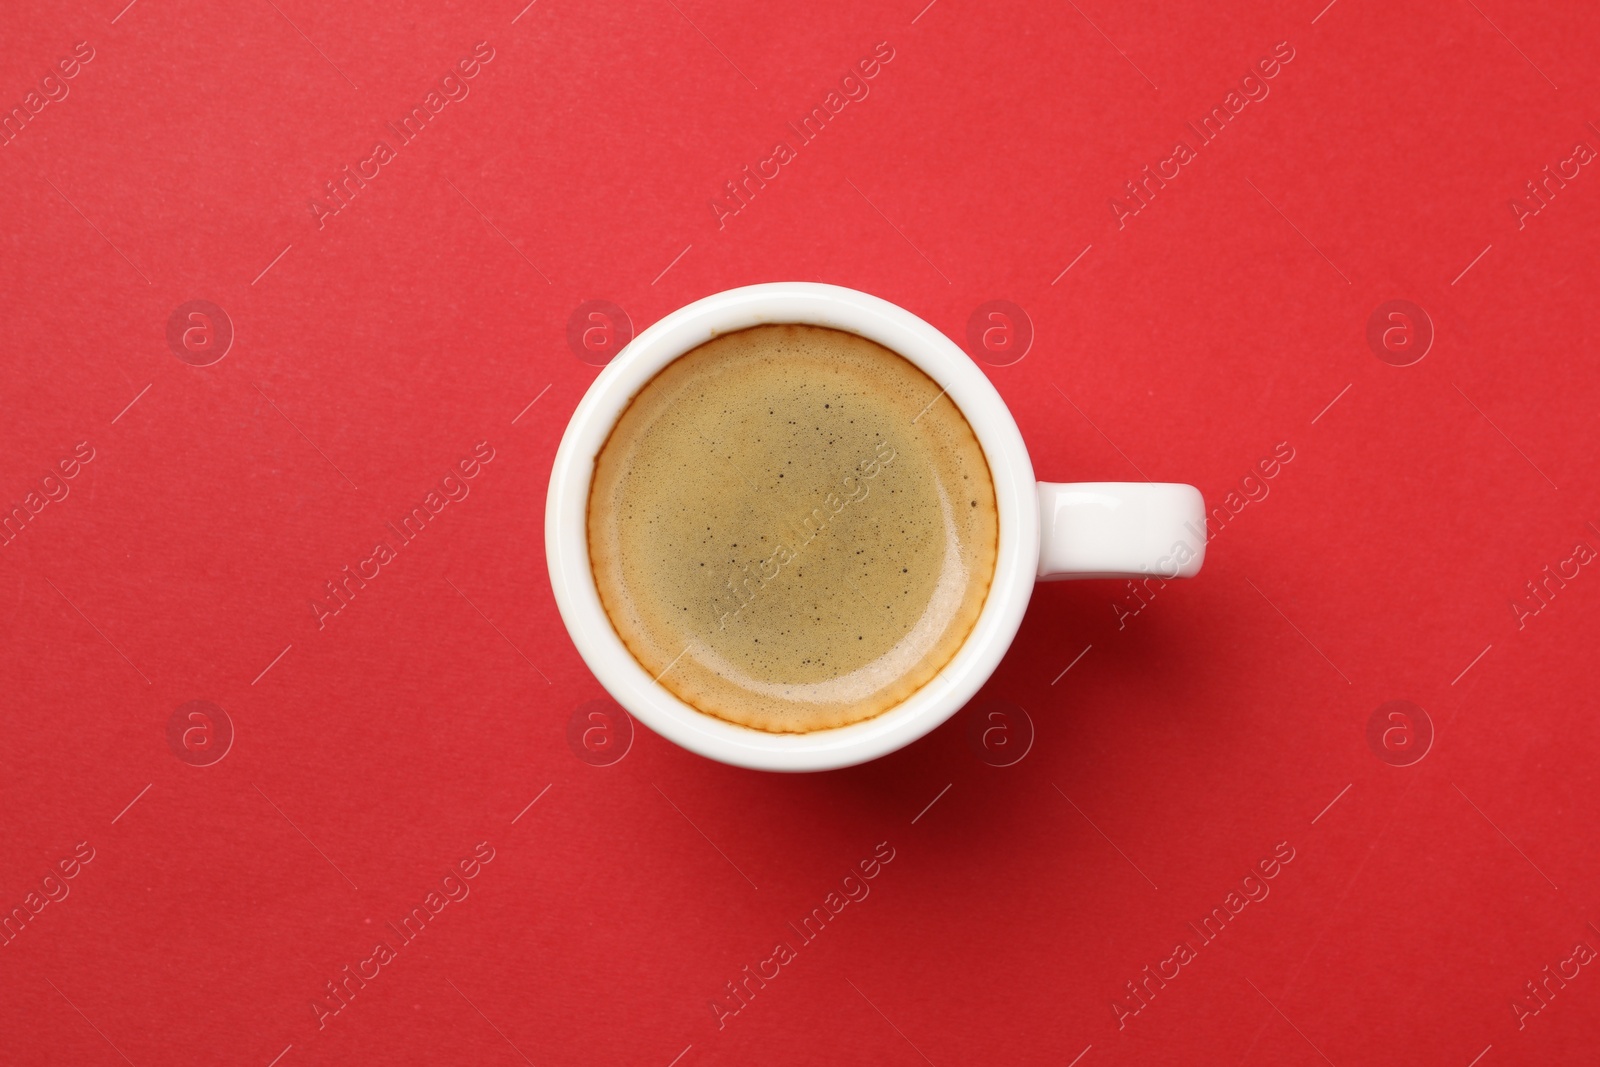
(792,528)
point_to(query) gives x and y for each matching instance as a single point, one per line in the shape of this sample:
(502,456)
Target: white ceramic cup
(1048,530)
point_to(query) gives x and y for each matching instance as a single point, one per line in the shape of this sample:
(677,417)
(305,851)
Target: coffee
(792,528)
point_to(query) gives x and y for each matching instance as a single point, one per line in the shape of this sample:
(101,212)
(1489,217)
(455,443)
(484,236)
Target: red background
(374,352)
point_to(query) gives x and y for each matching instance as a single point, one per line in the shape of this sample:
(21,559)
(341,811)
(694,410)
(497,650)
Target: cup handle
(1120,530)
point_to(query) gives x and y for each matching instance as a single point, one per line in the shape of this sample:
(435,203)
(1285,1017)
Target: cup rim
(810,303)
